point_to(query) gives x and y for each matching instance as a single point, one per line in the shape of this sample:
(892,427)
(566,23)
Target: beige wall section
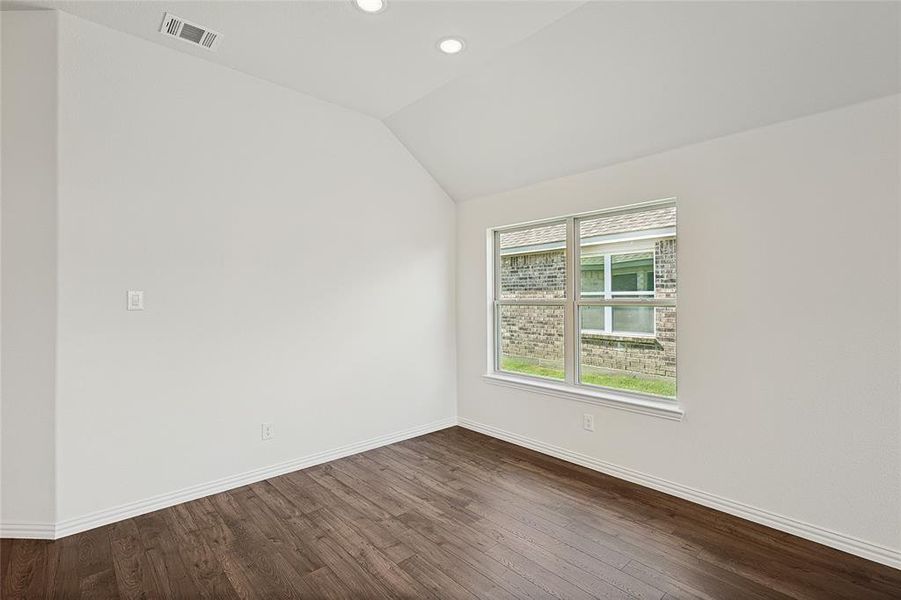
(297,265)
(788,329)
(29,269)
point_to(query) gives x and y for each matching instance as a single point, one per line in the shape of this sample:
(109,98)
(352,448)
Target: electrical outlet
(267,432)
(588,422)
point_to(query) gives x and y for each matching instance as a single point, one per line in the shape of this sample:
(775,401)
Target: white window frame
(570,387)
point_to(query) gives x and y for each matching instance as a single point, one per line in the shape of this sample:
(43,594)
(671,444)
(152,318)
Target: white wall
(788,323)
(27,353)
(297,265)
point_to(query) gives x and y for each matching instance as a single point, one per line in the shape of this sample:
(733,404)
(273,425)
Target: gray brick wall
(534,333)
(538,275)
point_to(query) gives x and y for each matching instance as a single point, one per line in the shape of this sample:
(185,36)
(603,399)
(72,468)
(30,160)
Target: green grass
(619,382)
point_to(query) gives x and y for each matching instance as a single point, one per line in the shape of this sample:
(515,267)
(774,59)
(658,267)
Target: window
(587,303)
(617,275)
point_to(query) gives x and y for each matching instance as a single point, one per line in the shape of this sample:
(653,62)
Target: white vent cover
(192,33)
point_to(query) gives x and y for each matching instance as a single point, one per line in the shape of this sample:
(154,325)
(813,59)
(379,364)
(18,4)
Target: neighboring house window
(617,275)
(589,301)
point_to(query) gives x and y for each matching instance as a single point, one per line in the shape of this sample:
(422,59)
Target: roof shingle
(603,225)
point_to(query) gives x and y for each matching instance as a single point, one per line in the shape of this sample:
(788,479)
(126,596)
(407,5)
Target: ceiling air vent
(192,33)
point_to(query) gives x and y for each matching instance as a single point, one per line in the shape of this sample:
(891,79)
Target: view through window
(611,325)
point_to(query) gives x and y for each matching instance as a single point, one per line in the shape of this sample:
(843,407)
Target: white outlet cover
(266,432)
(588,422)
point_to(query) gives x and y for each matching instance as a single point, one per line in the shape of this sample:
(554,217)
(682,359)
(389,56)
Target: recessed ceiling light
(371,6)
(451,45)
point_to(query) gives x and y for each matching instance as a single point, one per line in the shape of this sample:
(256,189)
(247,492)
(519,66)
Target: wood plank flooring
(452,514)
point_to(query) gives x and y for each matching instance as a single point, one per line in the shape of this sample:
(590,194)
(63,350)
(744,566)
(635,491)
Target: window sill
(634,338)
(645,405)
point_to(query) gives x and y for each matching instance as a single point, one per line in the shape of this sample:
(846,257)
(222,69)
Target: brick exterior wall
(535,333)
(530,276)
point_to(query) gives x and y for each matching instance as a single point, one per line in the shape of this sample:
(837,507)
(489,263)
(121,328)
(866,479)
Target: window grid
(572,300)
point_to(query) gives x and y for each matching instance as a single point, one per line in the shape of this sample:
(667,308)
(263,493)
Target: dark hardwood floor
(453,514)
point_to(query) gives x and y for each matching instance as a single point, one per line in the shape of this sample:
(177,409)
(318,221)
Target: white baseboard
(31,531)
(133,509)
(834,539)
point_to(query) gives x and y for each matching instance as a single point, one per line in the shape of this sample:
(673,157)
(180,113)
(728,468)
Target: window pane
(646,365)
(607,225)
(633,272)
(630,242)
(633,319)
(533,263)
(531,340)
(593,318)
(592,276)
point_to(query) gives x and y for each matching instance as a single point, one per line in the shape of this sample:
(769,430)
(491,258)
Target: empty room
(464,299)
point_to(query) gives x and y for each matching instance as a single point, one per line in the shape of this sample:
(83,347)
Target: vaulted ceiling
(613,81)
(376,64)
(545,88)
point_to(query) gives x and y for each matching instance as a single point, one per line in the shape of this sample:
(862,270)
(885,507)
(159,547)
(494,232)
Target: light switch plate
(135,300)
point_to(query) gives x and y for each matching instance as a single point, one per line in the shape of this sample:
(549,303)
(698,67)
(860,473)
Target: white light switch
(135,300)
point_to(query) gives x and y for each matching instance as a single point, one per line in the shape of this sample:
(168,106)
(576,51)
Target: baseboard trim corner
(840,541)
(140,507)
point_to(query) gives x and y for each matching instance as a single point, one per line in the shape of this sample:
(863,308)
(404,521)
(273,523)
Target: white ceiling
(544,88)
(615,81)
(376,64)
